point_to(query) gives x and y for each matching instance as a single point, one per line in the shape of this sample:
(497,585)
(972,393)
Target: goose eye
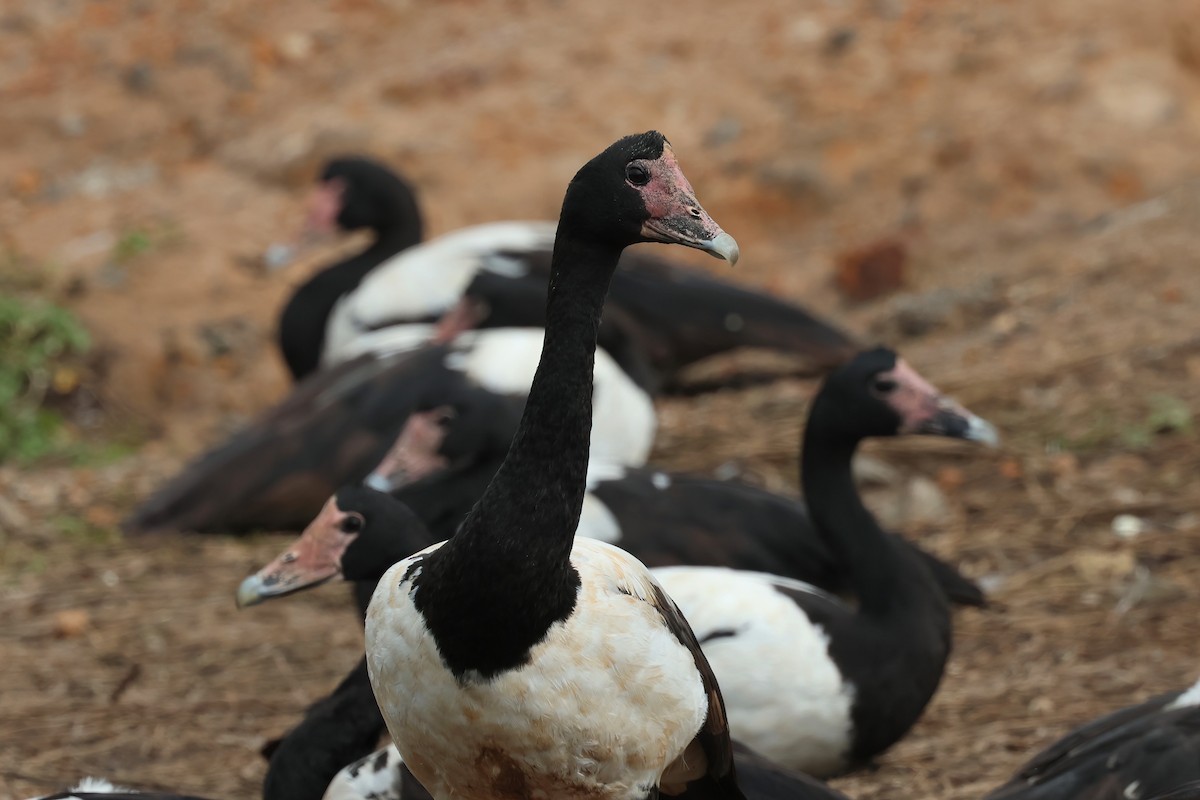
(884,385)
(353,523)
(637,174)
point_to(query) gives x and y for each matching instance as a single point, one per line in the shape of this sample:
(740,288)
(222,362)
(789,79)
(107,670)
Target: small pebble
(278,255)
(1127,526)
(139,78)
(295,46)
(71,622)
(873,270)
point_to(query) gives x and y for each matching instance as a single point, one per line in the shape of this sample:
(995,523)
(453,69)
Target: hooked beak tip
(249,593)
(723,246)
(378,482)
(980,430)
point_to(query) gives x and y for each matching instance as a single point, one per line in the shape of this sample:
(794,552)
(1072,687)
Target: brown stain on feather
(507,778)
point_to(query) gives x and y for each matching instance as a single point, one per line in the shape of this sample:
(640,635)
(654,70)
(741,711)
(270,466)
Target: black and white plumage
(450,448)
(604,694)
(383,776)
(341,331)
(275,473)
(661,317)
(811,683)
(858,677)
(425,282)
(515,660)
(1141,752)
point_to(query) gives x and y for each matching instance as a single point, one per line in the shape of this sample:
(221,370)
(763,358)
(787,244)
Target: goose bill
(313,559)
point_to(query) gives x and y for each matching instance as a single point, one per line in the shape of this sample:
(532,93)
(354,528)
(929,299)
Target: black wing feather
(714,736)
(1142,750)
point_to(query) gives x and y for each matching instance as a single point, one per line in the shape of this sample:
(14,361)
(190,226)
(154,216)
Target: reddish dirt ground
(1036,161)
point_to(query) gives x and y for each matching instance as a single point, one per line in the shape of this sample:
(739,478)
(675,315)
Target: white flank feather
(383,342)
(426,281)
(784,695)
(504,361)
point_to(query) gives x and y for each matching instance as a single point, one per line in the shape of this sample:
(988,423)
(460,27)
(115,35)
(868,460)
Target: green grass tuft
(41,345)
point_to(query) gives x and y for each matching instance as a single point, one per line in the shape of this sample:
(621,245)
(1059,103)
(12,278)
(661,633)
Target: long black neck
(887,583)
(542,479)
(302,324)
(397,235)
(894,650)
(493,591)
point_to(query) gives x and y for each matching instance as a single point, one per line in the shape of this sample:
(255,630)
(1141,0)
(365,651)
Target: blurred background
(1027,169)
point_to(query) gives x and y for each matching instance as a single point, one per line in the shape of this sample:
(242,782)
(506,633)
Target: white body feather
(423,282)
(383,342)
(504,361)
(609,699)
(784,695)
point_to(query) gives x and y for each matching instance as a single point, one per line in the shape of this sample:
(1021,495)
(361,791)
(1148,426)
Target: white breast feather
(783,693)
(425,281)
(610,696)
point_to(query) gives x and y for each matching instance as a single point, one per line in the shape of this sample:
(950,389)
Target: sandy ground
(1036,160)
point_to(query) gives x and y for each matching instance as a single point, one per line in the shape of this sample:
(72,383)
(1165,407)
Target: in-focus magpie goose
(515,660)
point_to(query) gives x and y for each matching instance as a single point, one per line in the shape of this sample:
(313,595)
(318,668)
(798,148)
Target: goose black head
(357,535)
(877,393)
(467,425)
(635,192)
(354,193)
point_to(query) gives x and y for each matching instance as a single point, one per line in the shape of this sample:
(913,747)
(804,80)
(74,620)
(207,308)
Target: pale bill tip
(724,246)
(980,430)
(250,592)
(378,482)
